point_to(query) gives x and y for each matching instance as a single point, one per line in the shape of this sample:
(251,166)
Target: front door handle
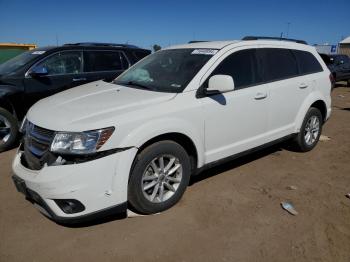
(303,85)
(79,79)
(260,96)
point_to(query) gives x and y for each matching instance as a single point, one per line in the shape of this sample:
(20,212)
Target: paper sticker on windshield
(38,52)
(204,52)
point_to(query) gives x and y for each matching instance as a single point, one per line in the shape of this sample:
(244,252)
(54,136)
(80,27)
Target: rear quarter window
(307,62)
(97,61)
(140,54)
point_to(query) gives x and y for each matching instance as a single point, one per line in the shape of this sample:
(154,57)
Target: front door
(236,121)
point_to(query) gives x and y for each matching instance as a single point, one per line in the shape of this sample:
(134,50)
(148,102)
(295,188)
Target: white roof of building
(346,40)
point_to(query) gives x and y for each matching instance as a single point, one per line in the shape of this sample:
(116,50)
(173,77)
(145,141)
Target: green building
(9,50)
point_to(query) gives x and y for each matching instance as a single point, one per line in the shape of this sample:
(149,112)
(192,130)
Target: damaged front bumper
(72,191)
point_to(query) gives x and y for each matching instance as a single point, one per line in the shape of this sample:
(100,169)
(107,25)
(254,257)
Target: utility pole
(288,25)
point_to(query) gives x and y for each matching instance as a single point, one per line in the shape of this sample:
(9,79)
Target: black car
(42,72)
(339,65)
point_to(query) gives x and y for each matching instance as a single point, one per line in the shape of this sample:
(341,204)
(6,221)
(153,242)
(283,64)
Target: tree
(156,47)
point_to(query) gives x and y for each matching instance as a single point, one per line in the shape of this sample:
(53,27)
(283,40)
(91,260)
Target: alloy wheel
(5,130)
(161,178)
(312,129)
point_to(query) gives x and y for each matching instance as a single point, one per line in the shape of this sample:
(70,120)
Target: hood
(91,106)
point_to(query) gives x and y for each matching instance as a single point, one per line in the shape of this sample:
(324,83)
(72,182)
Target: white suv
(102,147)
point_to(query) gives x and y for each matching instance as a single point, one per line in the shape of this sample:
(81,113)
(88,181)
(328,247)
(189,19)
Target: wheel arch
(321,105)
(7,104)
(185,141)
(313,100)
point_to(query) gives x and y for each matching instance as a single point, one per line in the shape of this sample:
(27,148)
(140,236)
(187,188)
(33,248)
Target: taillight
(332,79)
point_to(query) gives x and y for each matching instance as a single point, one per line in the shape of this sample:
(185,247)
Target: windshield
(166,70)
(19,61)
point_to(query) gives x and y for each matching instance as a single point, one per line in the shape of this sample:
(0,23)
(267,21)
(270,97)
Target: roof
(102,45)
(209,44)
(222,44)
(345,41)
(86,47)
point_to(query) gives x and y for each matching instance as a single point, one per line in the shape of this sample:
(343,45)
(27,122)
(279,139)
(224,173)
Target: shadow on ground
(223,167)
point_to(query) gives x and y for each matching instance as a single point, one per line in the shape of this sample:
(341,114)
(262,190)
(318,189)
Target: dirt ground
(229,213)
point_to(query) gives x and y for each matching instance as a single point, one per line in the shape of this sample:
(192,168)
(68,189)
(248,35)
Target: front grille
(44,133)
(37,141)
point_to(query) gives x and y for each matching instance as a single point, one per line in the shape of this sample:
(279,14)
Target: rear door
(62,68)
(344,67)
(104,64)
(286,87)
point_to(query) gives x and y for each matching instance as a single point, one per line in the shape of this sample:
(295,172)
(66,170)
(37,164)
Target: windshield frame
(161,88)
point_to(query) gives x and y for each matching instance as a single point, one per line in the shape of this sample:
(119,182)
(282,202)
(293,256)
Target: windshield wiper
(132,83)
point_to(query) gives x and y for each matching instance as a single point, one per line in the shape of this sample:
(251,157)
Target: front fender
(10,99)
(157,127)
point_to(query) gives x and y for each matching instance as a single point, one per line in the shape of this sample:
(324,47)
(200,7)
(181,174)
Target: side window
(66,62)
(97,61)
(308,64)
(241,66)
(346,59)
(277,64)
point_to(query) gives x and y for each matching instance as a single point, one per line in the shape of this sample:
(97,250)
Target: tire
(301,142)
(8,130)
(144,174)
(348,83)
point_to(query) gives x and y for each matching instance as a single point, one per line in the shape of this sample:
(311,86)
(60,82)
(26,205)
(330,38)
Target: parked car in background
(42,72)
(339,65)
(135,142)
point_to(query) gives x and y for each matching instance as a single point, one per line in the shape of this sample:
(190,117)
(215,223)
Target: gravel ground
(229,213)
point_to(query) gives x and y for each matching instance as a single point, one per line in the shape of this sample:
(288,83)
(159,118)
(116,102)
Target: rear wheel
(8,129)
(159,177)
(310,130)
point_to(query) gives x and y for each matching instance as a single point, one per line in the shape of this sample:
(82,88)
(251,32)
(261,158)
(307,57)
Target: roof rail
(101,44)
(197,41)
(247,38)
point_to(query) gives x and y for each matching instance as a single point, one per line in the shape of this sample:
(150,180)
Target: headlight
(23,126)
(80,143)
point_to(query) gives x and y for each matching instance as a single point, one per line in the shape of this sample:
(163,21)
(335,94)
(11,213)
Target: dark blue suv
(339,65)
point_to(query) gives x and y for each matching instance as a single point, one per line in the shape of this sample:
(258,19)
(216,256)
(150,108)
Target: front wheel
(8,129)
(310,130)
(159,177)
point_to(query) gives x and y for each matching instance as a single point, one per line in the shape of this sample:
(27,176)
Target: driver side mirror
(38,71)
(220,84)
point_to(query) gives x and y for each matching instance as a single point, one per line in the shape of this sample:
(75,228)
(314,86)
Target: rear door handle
(260,96)
(79,79)
(303,85)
